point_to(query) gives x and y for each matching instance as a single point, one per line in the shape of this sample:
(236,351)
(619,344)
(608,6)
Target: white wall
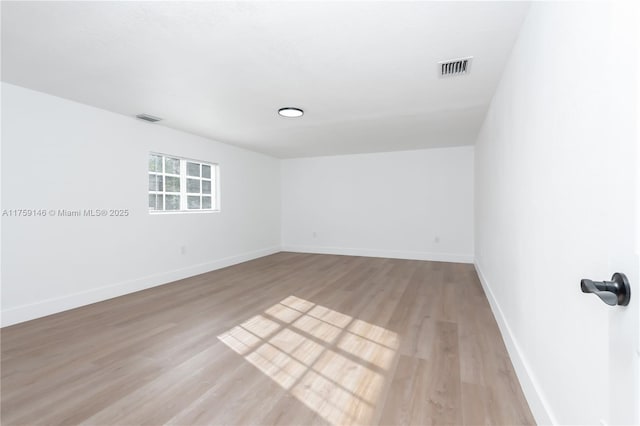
(548,194)
(410,204)
(58,154)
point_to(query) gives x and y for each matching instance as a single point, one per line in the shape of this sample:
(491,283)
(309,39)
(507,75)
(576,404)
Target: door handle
(614,292)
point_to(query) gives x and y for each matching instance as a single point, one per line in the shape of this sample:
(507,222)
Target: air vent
(149,118)
(454,67)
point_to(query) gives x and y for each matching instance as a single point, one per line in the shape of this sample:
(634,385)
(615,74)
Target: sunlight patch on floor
(332,363)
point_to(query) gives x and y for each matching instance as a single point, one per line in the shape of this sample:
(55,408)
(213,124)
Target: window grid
(196,181)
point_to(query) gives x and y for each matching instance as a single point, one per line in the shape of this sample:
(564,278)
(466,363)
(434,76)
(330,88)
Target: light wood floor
(294,339)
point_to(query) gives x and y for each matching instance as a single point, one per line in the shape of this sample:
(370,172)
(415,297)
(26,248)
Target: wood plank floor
(294,339)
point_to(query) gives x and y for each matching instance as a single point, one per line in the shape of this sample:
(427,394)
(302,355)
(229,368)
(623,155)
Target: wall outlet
(436,240)
(183,249)
(314,234)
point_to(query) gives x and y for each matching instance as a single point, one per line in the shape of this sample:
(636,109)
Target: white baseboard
(537,402)
(46,307)
(393,254)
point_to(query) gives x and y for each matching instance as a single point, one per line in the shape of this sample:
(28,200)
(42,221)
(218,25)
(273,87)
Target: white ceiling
(364,72)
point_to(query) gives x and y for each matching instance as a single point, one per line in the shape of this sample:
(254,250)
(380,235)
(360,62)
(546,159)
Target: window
(178,184)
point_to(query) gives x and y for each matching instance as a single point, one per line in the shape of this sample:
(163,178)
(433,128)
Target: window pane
(193,202)
(206,187)
(155,183)
(172,184)
(206,202)
(155,163)
(173,202)
(206,171)
(193,186)
(193,169)
(172,165)
(155,202)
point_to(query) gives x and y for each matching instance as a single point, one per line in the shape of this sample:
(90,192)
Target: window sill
(171,212)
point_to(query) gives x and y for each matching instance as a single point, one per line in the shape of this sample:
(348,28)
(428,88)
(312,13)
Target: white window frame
(214,179)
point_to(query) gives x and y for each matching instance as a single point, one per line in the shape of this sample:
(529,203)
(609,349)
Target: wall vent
(149,118)
(454,67)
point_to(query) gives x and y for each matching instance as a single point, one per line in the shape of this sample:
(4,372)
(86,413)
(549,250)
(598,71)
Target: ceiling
(365,73)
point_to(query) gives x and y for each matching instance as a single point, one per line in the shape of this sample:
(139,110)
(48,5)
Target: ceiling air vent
(149,118)
(454,67)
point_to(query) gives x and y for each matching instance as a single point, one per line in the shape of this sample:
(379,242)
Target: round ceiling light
(291,112)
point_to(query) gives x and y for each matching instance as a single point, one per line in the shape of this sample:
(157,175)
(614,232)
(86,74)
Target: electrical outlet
(315,234)
(183,249)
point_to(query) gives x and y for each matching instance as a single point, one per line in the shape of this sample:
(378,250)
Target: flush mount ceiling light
(291,112)
(148,117)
